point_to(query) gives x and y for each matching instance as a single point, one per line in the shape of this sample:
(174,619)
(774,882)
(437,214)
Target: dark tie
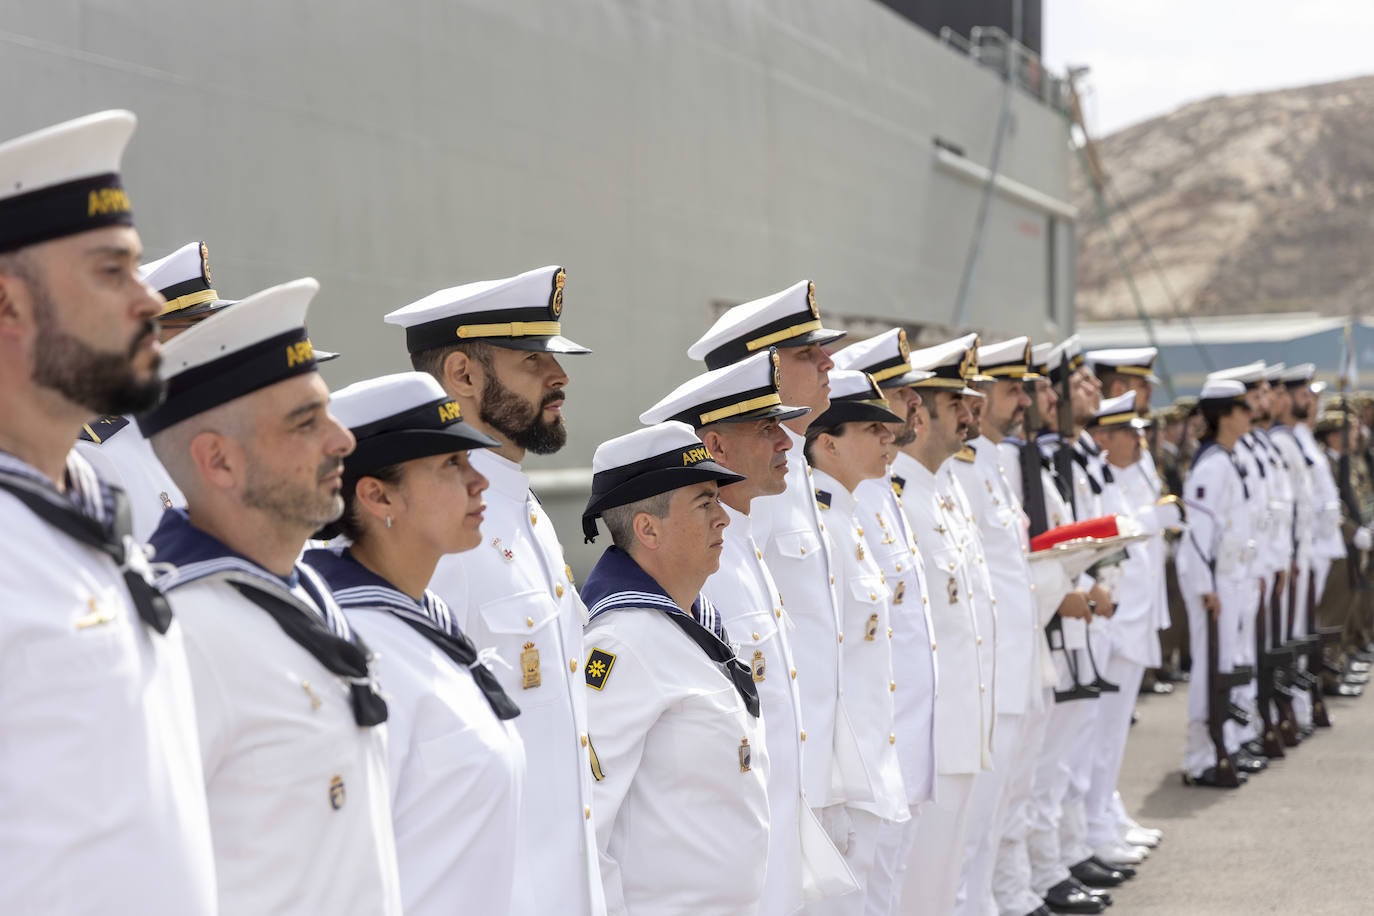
(458,647)
(110,540)
(345,658)
(719,651)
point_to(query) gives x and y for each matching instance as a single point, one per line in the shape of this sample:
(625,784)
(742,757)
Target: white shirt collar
(841,500)
(505,476)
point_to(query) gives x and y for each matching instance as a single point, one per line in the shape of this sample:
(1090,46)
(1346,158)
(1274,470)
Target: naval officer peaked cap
(1273,373)
(183,279)
(1299,375)
(64,179)
(1068,356)
(747,390)
(886,357)
(949,365)
(854,398)
(1118,411)
(1043,359)
(518,313)
(786,319)
(400,417)
(1007,359)
(1137,361)
(1251,375)
(647,462)
(1222,393)
(258,342)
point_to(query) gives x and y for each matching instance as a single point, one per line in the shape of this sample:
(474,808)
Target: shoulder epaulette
(823,499)
(102,428)
(897,484)
(966,454)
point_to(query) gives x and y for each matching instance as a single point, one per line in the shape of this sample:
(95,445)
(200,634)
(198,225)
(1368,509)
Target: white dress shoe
(1121,854)
(1139,836)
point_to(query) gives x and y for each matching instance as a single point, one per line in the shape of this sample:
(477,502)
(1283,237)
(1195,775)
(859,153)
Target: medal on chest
(744,755)
(166,500)
(899,592)
(953,590)
(337,793)
(757,666)
(871,630)
(859,551)
(506,553)
(529,666)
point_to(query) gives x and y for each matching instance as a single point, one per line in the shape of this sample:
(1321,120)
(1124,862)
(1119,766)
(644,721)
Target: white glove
(838,826)
(1363,538)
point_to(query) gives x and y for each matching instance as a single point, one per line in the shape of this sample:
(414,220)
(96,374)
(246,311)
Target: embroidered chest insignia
(96,617)
(859,551)
(744,756)
(757,666)
(953,590)
(871,630)
(315,701)
(529,666)
(598,668)
(337,793)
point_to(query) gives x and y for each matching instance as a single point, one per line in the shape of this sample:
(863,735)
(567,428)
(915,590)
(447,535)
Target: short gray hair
(620,520)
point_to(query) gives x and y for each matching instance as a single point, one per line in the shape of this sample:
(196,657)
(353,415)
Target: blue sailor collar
(194,554)
(354,586)
(617,581)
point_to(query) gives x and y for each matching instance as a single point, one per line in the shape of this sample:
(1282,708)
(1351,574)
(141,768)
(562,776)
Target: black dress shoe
(1125,871)
(1229,779)
(1041,910)
(1068,896)
(1255,748)
(1333,688)
(1092,875)
(1358,678)
(1249,763)
(1307,731)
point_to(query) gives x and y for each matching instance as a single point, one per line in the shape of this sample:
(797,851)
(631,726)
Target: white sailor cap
(64,179)
(1251,375)
(1299,375)
(1217,392)
(950,364)
(854,398)
(1137,361)
(886,357)
(647,462)
(1044,357)
(785,319)
(183,279)
(1119,411)
(518,313)
(1007,359)
(235,352)
(399,417)
(1273,372)
(747,390)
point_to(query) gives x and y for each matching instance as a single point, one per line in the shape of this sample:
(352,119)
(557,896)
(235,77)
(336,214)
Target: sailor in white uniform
(964,713)
(887,358)
(738,414)
(679,753)
(791,533)
(455,760)
(101,785)
(288,709)
(1215,567)
(850,442)
(494,346)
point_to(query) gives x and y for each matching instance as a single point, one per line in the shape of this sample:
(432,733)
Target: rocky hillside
(1251,203)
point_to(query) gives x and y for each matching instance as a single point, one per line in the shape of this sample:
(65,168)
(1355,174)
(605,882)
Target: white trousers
(1113,728)
(985,817)
(1011,872)
(1073,821)
(1198,752)
(932,872)
(1048,789)
(866,832)
(889,866)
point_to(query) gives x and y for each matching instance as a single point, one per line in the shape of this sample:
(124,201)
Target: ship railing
(995,49)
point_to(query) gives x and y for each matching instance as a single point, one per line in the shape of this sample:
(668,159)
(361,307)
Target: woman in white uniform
(456,765)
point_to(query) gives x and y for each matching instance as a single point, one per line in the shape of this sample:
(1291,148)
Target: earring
(388,521)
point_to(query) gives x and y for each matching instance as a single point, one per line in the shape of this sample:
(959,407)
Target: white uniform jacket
(802,863)
(1002,527)
(682,766)
(515,593)
(299,803)
(1219,545)
(102,802)
(1270,501)
(866,608)
(456,770)
(1135,622)
(1328,542)
(963,704)
(121,456)
(792,535)
(1303,484)
(914,659)
(959,511)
